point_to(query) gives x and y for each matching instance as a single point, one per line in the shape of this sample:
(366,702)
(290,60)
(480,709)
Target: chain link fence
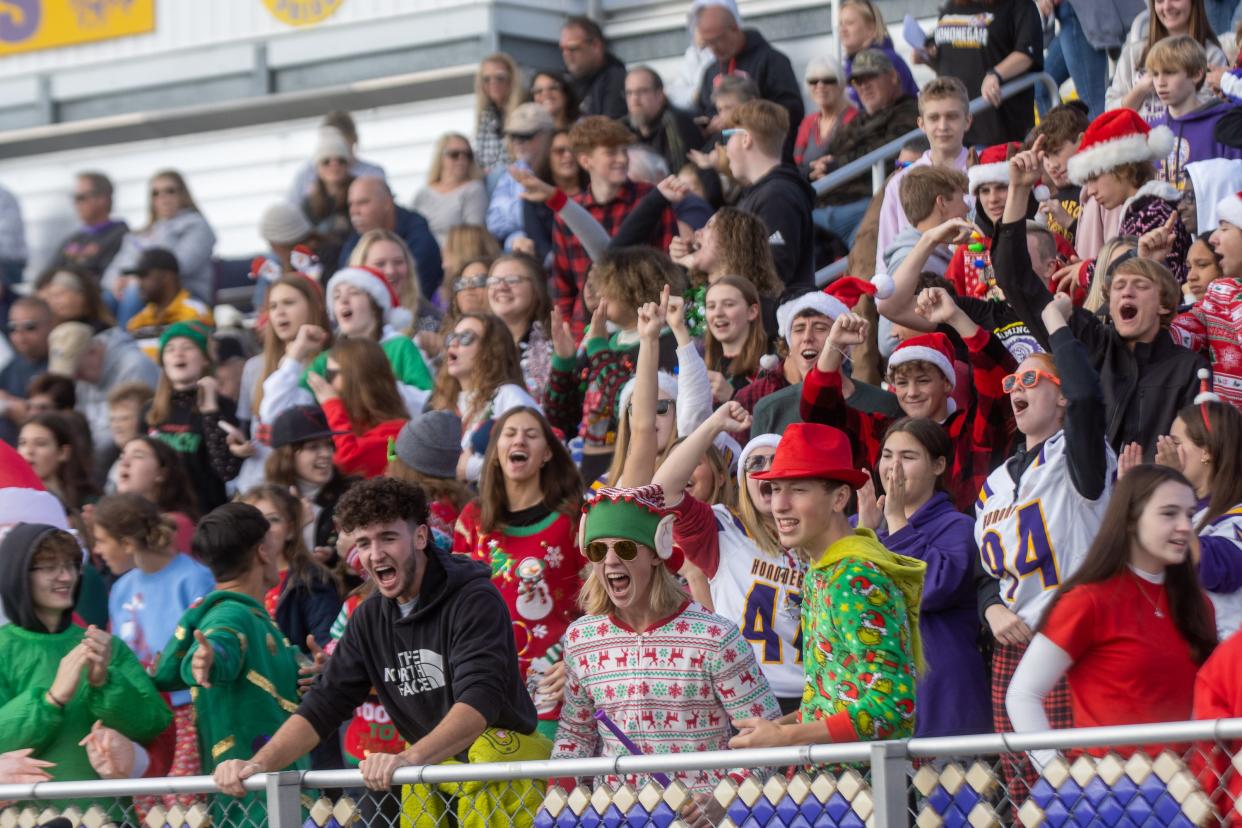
(1183,774)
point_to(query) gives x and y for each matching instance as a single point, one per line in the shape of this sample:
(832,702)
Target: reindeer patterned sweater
(671,689)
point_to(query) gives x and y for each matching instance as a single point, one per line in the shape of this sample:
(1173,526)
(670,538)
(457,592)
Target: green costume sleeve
(128,700)
(230,646)
(407,363)
(28,720)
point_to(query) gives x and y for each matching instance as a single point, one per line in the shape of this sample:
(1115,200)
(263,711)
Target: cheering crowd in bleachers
(573,453)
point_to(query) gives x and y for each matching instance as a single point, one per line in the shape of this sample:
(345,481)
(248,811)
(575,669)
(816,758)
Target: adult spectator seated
(775,191)
(888,114)
(529,131)
(825,82)
(176,225)
(167,302)
(371,207)
(657,123)
(454,193)
(746,53)
(326,204)
(304,179)
(600,144)
(860,26)
(93,245)
(436,644)
(30,322)
(551,91)
(73,295)
(598,75)
(98,363)
(497,94)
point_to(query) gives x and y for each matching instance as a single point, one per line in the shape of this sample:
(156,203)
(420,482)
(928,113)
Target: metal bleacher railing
(877,160)
(1175,774)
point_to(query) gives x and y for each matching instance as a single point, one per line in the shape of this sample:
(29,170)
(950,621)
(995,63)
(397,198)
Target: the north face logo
(419,671)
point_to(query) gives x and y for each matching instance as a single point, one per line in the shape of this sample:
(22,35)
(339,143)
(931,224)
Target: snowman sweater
(673,688)
(538,569)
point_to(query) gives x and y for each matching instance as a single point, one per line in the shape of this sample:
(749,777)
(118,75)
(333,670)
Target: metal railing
(1188,777)
(877,160)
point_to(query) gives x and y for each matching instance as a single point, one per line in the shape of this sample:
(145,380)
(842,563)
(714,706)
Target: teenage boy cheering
(435,641)
(860,603)
(1147,378)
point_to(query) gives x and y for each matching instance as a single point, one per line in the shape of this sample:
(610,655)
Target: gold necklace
(1154,606)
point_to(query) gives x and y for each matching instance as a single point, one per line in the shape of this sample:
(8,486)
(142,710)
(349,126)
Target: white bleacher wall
(233,174)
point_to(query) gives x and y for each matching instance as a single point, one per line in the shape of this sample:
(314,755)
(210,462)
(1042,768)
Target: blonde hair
(767,123)
(437,158)
(517,91)
(761,533)
(465,243)
(1178,54)
(921,186)
(273,346)
(1160,276)
(411,294)
(183,192)
(1097,294)
(667,594)
(873,15)
(944,86)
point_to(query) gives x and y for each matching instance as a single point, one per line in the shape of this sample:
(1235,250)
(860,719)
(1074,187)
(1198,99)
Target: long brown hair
(183,192)
(273,347)
(437,488)
(174,493)
(932,437)
(370,388)
(743,249)
(746,363)
(1109,556)
(1200,28)
(304,570)
(497,364)
(94,311)
(73,474)
(559,480)
(1217,428)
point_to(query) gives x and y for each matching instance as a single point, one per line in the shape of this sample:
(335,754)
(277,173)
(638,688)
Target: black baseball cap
(154,258)
(299,425)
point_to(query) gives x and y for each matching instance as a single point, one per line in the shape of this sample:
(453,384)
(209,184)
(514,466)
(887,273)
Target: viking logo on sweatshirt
(419,671)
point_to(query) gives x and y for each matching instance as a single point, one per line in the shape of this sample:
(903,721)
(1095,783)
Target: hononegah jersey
(1034,535)
(762,594)
(1228,605)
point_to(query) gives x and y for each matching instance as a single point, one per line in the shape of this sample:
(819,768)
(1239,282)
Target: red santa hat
(933,348)
(832,301)
(993,166)
(1117,137)
(375,285)
(1229,209)
(23,498)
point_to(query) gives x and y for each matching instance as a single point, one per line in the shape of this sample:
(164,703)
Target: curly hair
(497,363)
(632,276)
(742,239)
(133,517)
(381,500)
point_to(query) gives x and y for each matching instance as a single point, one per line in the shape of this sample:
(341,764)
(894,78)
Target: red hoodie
(365,454)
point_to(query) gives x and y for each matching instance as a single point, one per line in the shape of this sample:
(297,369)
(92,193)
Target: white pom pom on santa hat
(837,298)
(1229,209)
(1041,192)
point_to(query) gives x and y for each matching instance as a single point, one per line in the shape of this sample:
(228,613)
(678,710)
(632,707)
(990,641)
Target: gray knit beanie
(431,443)
(283,223)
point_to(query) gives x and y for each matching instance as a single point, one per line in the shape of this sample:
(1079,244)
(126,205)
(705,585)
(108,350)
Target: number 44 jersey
(1033,534)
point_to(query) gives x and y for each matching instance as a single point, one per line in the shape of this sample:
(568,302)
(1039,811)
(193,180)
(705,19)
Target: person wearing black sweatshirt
(775,191)
(1146,377)
(435,640)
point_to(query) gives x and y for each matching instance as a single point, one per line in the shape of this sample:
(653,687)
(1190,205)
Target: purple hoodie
(953,692)
(1193,140)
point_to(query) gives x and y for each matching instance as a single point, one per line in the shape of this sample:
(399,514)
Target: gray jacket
(1106,22)
(191,240)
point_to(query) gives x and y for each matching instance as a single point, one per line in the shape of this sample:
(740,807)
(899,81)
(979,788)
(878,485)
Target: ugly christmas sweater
(538,569)
(673,688)
(1213,326)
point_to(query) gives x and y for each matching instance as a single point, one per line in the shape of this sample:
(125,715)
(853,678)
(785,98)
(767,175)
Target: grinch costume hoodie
(30,654)
(452,644)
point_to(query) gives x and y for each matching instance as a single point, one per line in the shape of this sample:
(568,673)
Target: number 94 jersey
(1035,534)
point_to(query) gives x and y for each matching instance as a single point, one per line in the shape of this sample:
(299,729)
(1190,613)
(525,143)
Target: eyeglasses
(821,81)
(464,339)
(28,326)
(469,283)
(626,550)
(458,154)
(156,192)
(68,567)
(758,463)
(507,281)
(330,374)
(1028,379)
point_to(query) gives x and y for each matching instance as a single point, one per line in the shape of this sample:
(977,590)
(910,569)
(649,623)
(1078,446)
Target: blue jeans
(11,271)
(1071,54)
(127,308)
(841,220)
(1221,14)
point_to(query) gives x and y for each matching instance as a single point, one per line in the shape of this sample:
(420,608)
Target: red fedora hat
(814,450)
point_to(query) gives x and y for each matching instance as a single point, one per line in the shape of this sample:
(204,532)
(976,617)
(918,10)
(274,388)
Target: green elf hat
(636,514)
(195,331)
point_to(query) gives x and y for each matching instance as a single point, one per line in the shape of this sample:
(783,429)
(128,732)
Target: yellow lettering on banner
(302,12)
(35,25)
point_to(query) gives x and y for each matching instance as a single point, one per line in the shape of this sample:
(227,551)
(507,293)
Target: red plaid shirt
(570,262)
(980,434)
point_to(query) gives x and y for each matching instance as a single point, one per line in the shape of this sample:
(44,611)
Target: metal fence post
(284,799)
(888,784)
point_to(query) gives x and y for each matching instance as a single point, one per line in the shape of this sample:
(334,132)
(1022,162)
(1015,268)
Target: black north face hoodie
(455,646)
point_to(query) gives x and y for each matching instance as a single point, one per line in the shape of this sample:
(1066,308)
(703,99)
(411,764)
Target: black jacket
(784,200)
(201,445)
(672,135)
(603,93)
(1144,386)
(455,646)
(772,73)
(865,134)
(308,609)
(17,551)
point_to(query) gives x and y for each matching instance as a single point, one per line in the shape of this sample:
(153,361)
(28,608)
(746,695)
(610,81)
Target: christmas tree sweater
(538,570)
(673,688)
